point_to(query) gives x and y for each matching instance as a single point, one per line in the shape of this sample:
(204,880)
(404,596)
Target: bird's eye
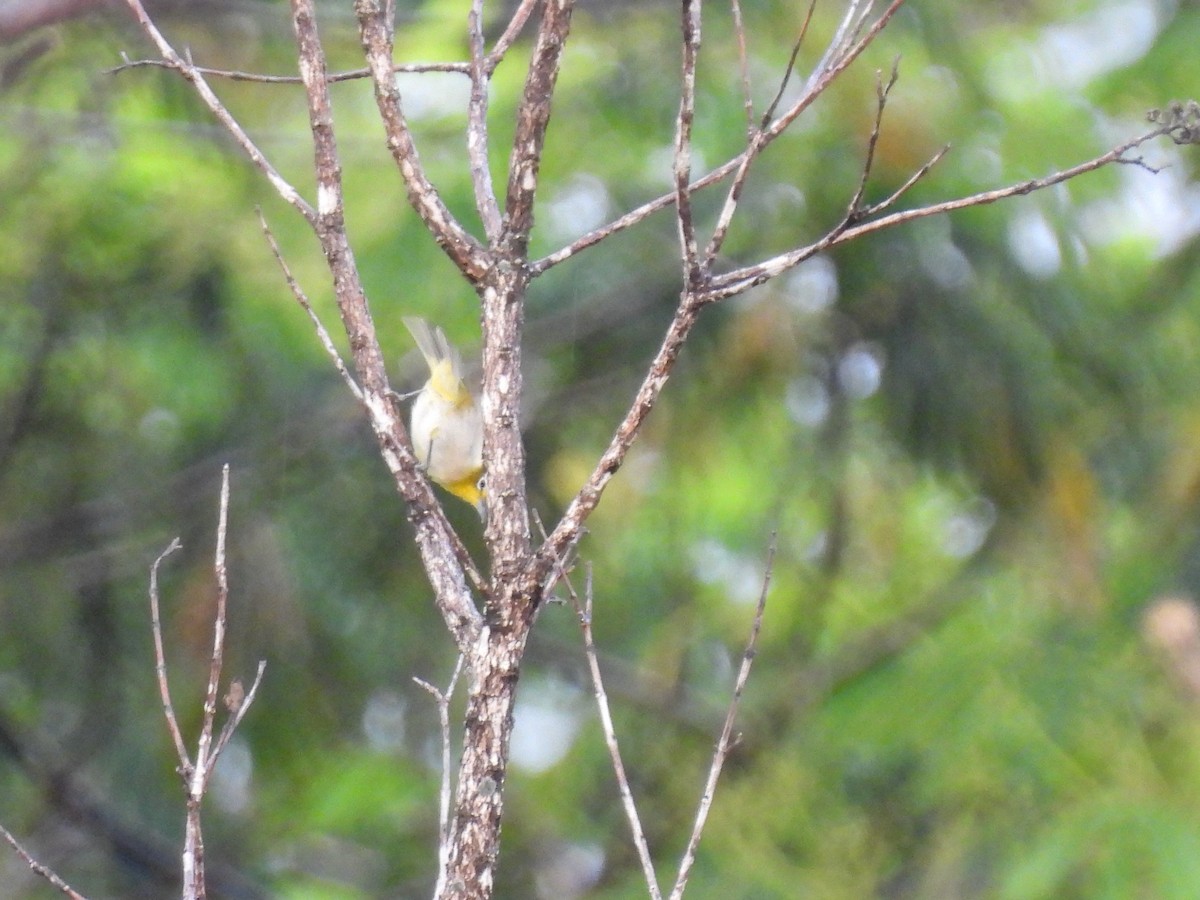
(482,484)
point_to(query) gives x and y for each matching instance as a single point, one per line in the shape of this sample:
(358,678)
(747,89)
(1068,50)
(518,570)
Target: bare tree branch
(463,249)
(74,798)
(258,78)
(204,758)
(197,775)
(757,140)
(853,19)
(477,128)
(790,69)
(503,295)
(443,698)
(160,667)
(567,531)
(916,176)
(627,221)
(40,869)
(237,703)
(533,117)
(823,76)
(726,741)
(830,68)
(322,334)
(732,283)
(881,96)
(584,612)
(193,75)
(739,30)
(693,275)
(519,17)
(446,560)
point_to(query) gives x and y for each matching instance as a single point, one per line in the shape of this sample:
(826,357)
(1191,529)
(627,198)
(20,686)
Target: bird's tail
(432,343)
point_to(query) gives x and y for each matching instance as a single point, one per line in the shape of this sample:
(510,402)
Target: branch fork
(490,617)
(198,772)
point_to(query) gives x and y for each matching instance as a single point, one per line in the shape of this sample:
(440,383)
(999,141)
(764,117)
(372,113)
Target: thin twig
(477,128)
(237,701)
(739,280)
(790,68)
(567,531)
(584,612)
(160,663)
(203,762)
(515,24)
(196,780)
(631,218)
(757,140)
(739,30)
(848,29)
(442,698)
(259,78)
(302,298)
(562,566)
(40,869)
(462,248)
(916,176)
(192,74)
(838,64)
(690,21)
(436,540)
(727,740)
(533,118)
(778,126)
(881,96)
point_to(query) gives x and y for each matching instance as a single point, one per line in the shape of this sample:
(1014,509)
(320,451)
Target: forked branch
(465,251)
(725,742)
(756,140)
(197,773)
(882,91)
(192,74)
(443,698)
(445,559)
(740,280)
(842,53)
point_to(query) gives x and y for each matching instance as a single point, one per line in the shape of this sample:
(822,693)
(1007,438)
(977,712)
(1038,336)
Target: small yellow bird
(447,428)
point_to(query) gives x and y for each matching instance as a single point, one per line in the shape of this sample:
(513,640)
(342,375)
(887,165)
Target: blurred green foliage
(973,441)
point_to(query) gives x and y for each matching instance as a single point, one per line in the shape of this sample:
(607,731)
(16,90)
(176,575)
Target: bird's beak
(482,508)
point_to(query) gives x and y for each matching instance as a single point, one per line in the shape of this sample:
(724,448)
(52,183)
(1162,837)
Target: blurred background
(976,441)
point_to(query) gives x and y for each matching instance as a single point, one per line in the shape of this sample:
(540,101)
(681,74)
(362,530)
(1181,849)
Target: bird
(446,424)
